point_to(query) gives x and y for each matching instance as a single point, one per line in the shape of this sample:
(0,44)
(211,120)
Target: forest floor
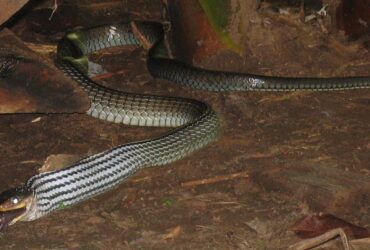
(280,157)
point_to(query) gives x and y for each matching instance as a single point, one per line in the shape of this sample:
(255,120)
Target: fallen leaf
(95,220)
(323,239)
(361,244)
(36,119)
(173,233)
(59,161)
(317,224)
(9,8)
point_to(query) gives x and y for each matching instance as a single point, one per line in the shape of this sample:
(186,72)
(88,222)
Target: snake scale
(197,123)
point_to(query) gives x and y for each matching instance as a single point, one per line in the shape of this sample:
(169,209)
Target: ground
(294,154)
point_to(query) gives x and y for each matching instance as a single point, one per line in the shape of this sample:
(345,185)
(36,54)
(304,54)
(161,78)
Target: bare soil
(304,152)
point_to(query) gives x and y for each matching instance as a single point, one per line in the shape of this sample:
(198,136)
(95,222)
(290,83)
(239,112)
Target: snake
(195,124)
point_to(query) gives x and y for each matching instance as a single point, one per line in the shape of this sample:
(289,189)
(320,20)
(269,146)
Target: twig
(322,26)
(42,48)
(107,75)
(30,162)
(102,76)
(54,9)
(146,44)
(302,12)
(215,179)
(146,178)
(319,240)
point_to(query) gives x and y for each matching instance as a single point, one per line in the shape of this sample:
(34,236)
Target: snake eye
(15,200)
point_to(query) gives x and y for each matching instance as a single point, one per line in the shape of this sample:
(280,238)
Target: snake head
(14,204)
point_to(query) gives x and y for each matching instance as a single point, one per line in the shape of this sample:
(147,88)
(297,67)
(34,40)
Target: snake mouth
(8,218)
(14,206)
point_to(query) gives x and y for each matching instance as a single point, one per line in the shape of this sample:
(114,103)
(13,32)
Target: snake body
(197,124)
(230,81)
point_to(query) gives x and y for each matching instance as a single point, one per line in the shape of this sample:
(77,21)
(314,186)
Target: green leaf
(218,13)
(62,206)
(167,202)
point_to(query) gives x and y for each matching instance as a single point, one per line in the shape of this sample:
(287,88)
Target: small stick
(146,44)
(310,243)
(54,9)
(102,76)
(42,48)
(215,179)
(146,178)
(322,26)
(302,12)
(107,75)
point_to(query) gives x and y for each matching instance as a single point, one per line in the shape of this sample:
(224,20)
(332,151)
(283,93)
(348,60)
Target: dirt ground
(303,152)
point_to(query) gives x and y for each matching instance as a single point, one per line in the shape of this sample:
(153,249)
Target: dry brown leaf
(9,8)
(173,233)
(95,220)
(327,243)
(322,239)
(361,244)
(59,161)
(318,224)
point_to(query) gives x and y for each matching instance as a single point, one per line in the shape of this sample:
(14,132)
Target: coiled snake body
(196,121)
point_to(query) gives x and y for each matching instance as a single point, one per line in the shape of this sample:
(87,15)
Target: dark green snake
(197,123)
